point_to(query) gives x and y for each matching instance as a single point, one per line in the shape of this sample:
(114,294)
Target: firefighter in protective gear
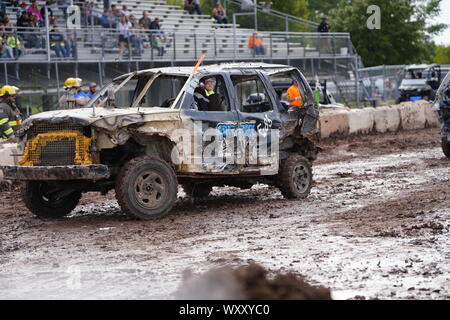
(74,96)
(10,116)
(294,95)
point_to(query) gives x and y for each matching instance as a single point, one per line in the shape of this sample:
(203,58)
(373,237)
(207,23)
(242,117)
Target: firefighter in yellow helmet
(10,116)
(74,97)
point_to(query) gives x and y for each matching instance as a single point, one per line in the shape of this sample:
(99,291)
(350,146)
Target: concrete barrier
(387,119)
(361,121)
(431,118)
(333,123)
(412,115)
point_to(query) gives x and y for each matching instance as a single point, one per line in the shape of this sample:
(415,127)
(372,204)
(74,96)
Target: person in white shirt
(124,34)
(125,11)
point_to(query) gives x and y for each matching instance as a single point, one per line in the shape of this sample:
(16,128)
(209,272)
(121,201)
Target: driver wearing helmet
(74,97)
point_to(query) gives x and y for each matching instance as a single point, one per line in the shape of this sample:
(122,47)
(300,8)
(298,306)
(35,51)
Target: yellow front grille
(57,148)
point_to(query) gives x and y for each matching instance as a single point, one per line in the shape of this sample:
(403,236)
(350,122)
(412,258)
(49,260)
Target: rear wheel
(295,177)
(197,190)
(446,147)
(146,188)
(48,200)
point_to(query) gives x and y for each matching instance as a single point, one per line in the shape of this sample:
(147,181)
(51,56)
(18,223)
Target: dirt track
(375,226)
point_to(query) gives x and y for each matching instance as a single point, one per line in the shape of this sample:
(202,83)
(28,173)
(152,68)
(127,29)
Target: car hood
(109,118)
(413,83)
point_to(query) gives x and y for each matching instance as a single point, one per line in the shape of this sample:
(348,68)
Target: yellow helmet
(8,91)
(72,83)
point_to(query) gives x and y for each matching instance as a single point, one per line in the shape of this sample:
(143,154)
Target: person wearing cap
(10,116)
(294,95)
(206,98)
(74,96)
(92,90)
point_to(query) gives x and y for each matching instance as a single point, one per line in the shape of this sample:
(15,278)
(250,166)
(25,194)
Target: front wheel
(49,200)
(446,147)
(295,177)
(146,188)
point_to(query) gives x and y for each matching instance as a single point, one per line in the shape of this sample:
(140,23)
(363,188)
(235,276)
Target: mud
(250,282)
(374,227)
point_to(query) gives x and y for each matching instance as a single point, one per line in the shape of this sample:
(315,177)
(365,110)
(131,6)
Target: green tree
(442,55)
(405,34)
(320,8)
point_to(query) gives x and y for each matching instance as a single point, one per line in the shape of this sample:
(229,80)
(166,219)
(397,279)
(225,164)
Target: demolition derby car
(442,106)
(149,131)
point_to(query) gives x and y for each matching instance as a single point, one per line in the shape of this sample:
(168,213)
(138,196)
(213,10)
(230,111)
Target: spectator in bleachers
(125,11)
(57,43)
(115,11)
(255,43)
(35,11)
(145,21)
(5,25)
(23,27)
(325,44)
(70,44)
(220,14)
(16,45)
(124,34)
(137,39)
(6,51)
(107,21)
(62,5)
(192,6)
(50,12)
(157,37)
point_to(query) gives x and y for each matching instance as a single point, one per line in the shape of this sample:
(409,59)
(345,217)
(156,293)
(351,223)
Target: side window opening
(211,95)
(252,96)
(281,82)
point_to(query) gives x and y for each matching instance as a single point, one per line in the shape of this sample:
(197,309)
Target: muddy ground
(375,226)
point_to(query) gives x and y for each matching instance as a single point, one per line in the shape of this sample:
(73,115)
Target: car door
(259,123)
(212,154)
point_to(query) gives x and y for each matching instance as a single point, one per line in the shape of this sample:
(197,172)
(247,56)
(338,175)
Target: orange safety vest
(292,93)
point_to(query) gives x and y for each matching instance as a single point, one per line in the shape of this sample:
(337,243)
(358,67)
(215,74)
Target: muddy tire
(446,147)
(197,190)
(146,188)
(47,201)
(295,177)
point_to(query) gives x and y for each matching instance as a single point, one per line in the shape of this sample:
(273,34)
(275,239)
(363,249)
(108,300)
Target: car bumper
(89,172)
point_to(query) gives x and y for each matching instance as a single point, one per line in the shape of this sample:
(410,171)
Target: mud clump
(251,282)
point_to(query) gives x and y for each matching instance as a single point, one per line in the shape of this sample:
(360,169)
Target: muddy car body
(144,134)
(442,107)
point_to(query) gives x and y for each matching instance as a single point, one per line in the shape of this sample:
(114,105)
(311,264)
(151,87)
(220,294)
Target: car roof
(215,68)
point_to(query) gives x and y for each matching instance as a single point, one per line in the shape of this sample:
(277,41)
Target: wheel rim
(301,178)
(150,189)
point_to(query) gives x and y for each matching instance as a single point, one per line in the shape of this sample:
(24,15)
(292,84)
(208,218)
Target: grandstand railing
(99,44)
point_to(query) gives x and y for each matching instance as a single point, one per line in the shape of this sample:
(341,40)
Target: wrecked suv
(144,134)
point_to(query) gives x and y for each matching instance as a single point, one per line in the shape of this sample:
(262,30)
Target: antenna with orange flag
(199,62)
